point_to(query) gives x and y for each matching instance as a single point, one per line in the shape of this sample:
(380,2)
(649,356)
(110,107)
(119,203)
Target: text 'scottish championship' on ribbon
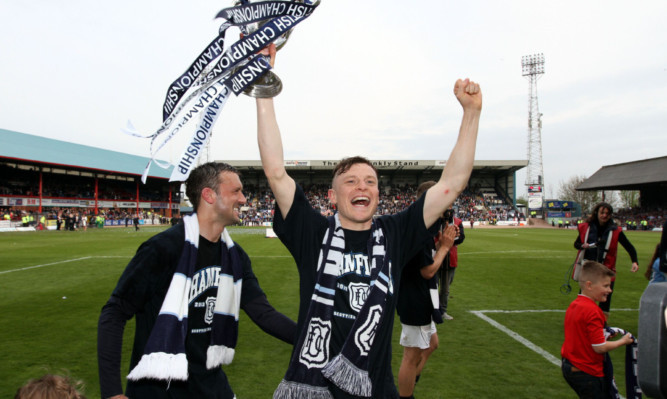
(205,86)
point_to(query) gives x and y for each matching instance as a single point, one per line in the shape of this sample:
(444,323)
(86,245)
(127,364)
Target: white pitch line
(91,257)
(269,256)
(548,356)
(522,251)
(57,263)
(542,311)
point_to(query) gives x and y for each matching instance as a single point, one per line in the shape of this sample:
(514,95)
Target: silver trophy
(268,85)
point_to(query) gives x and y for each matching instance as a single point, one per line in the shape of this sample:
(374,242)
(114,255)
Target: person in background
(446,273)
(663,248)
(418,307)
(599,238)
(653,273)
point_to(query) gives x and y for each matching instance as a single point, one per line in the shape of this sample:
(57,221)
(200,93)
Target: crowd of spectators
(469,206)
(259,209)
(22,182)
(472,204)
(260,204)
(80,218)
(640,218)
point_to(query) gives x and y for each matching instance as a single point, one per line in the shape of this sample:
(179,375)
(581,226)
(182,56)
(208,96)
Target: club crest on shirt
(315,350)
(357,293)
(365,335)
(210,307)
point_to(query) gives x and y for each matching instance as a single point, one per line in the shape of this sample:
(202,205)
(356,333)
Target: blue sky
(372,78)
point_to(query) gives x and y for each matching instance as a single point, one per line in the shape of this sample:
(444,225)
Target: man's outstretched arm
(271,321)
(456,173)
(271,148)
(271,152)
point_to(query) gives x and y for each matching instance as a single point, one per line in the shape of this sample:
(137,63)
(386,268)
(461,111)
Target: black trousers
(585,385)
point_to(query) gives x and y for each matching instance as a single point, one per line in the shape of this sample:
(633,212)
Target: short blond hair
(50,386)
(594,271)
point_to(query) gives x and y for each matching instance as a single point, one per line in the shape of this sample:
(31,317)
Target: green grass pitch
(54,283)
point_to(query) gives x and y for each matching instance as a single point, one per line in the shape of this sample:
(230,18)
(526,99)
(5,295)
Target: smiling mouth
(361,201)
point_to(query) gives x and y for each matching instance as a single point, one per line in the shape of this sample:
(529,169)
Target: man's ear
(208,195)
(332,196)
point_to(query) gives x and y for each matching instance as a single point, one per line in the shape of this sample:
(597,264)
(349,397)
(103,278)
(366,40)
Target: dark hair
(203,176)
(346,163)
(424,186)
(449,216)
(594,215)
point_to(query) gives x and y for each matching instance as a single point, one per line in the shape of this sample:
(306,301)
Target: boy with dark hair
(585,345)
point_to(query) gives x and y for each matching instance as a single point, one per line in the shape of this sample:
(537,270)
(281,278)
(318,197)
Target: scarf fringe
(217,355)
(435,300)
(161,366)
(290,390)
(348,377)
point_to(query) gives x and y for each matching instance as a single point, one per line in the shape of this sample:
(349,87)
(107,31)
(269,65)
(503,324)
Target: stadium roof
(627,176)
(390,165)
(36,149)
(33,149)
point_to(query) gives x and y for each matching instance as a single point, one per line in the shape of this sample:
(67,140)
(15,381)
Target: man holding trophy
(350,264)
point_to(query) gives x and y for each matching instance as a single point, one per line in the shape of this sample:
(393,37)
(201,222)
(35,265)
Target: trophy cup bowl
(268,85)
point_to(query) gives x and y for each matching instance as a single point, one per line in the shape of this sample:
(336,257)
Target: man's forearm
(460,163)
(456,173)
(270,320)
(429,271)
(269,140)
(109,345)
(271,152)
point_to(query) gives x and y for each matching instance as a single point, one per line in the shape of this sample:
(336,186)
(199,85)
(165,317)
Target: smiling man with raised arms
(346,311)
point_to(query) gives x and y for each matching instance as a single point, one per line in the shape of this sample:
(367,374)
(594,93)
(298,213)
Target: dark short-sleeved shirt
(415,307)
(302,233)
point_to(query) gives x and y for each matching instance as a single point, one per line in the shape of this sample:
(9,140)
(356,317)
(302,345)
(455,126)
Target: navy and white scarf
(311,365)
(433,291)
(164,355)
(632,389)
(435,299)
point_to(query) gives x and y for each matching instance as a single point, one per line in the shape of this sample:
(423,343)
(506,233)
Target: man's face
(604,215)
(356,195)
(229,198)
